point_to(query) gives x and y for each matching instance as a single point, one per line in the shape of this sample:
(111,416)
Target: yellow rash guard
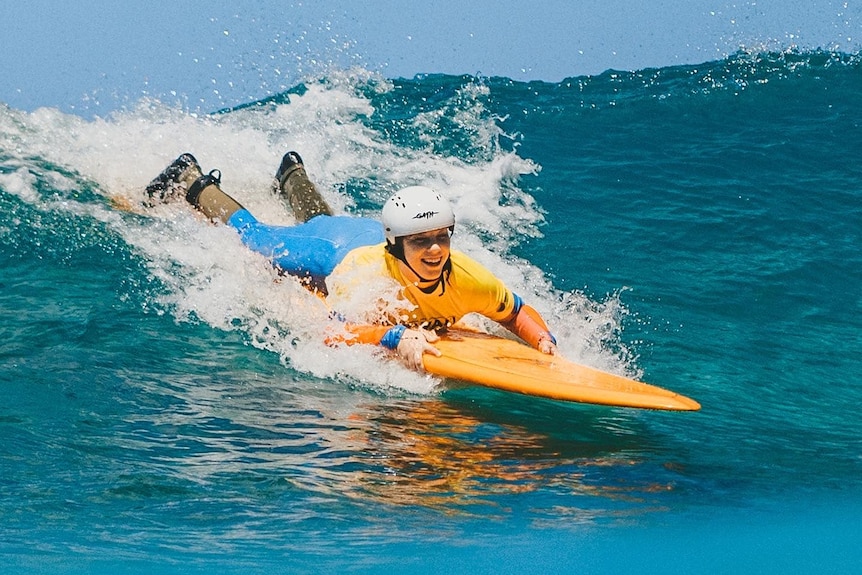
(467,288)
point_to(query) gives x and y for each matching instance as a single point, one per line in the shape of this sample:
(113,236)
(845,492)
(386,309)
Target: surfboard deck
(505,364)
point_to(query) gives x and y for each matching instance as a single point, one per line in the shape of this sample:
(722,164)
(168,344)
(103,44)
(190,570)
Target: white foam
(20,183)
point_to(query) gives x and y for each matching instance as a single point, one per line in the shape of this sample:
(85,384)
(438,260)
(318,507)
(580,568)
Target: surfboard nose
(682,403)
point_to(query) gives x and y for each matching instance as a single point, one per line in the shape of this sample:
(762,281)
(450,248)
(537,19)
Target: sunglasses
(425,242)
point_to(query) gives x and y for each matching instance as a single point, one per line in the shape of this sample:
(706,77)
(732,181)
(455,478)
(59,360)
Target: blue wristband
(392,337)
(519,303)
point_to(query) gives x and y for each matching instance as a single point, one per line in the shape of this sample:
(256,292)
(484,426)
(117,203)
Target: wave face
(169,404)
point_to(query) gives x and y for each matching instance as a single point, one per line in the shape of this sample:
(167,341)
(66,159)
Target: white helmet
(415,210)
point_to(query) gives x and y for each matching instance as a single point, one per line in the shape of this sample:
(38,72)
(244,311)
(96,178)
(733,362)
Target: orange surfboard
(512,366)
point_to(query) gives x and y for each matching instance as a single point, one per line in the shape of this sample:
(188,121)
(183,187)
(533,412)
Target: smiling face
(426,253)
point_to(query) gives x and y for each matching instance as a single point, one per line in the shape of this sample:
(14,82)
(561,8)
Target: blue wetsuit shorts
(312,248)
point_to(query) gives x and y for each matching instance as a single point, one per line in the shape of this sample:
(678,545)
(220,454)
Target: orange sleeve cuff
(529,326)
(359,333)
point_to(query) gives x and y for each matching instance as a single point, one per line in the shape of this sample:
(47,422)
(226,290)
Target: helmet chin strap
(440,281)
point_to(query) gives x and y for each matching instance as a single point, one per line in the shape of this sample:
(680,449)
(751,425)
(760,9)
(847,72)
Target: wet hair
(396,250)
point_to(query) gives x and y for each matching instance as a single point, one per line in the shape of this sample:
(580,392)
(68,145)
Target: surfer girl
(412,247)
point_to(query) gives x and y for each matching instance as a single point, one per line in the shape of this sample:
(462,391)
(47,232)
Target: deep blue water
(168,406)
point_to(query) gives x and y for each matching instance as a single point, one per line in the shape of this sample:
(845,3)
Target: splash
(204,272)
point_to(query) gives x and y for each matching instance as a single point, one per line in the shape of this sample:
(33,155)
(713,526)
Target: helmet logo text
(425,215)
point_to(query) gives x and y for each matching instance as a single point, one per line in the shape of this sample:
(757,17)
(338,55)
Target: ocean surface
(168,406)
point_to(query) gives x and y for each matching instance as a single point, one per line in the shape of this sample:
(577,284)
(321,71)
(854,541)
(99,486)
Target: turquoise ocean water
(168,407)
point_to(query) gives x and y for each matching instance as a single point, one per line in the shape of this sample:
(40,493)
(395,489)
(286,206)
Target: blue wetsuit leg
(312,248)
